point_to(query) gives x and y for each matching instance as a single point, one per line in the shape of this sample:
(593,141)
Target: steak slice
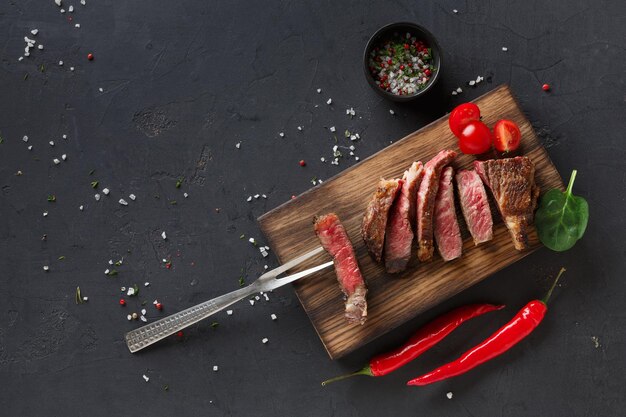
(447,232)
(512,183)
(426,203)
(376,215)
(336,242)
(475,206)
(399,234)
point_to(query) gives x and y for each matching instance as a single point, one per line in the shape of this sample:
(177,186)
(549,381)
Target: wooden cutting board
(394,299)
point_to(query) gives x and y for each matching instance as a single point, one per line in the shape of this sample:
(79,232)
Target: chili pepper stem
(365,371)
(572,178)
(547,297)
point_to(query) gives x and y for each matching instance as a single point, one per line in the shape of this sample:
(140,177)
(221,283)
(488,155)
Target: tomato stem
(547,297)
(365,371)
(571,182)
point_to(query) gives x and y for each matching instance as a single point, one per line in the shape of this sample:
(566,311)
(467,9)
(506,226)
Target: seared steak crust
(399,234)
(376,215)
(512,183)
(426,203)
(336,242)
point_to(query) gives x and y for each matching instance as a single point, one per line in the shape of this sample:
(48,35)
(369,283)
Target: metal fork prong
(294,262)
(279,282)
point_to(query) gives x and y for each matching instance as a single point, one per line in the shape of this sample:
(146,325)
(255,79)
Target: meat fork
(151,333)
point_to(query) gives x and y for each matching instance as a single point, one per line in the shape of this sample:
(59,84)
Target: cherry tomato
(506,136)
(475,138)
(461,116)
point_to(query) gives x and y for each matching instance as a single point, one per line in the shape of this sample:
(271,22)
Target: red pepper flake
(122,302)
(180,334)
(168,265)
(159,306)
(90,56)
(302,162)
(545,87)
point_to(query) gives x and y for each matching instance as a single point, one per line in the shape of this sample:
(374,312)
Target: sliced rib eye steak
(512,183)
(376,216)
(336,242)
(426,203)
(475,206)
(447,232)
(399,234)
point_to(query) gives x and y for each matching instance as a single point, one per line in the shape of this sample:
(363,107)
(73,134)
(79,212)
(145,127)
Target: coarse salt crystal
(60,63)
(34,31)
(64,157)
(131,291)
(319,90)
(263,195)
(71,68)
(30,147)
(56,161)
(300,128)
(323,159)
(132,196)
(249,198)
(80,208)
(163,235)
(146,284)
(449,395)
(459,90)
(251,240)
(123,202)
(251,302)
(145,378)
(454,93)
(229,312)
(143,311)
(472,82)
(256,297)
(106,191)
(129,317)
(273,316)
(257,195)
(106,272)
(20,58)
(110,261)
(392,112)
(51,143)
(238,145)
(46,268)
(77,25)
(97,197)
(62,10)
(85,298)
(267,298)
(25,138)
(332,128)
(57,2)
(144,319)
(40,46)
(70,9)
(455,11)
(504,48)
(101,89)
(329,101)
(265,340)
(64,136)
(83,2)
(281,134)
(215,368)
(356,158)
(185,195)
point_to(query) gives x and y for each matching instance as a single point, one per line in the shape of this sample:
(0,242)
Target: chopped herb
(166,387)
(214,325)
(52,198)
(78,298)
(25,76)
(1,139)
(94,184)
(347,133)
(242,281)
(144,302)
(118,263)
(92,171)
(42,68)
(179,181)
(136,288)
(242,236)
(61,258)
(112,272)
(157,196)
(173,202)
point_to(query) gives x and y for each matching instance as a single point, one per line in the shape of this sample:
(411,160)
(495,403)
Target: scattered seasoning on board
(401,65)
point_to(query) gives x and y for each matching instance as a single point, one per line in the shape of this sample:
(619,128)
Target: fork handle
(151,333)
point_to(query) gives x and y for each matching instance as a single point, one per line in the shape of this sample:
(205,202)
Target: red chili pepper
(425,338)
(427,72)
(159,306)
(90,57)
(180,334)
(122,302)
(302,162)
(545,87)
(524,322)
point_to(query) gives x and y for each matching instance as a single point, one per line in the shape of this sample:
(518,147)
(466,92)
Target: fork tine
(294,262)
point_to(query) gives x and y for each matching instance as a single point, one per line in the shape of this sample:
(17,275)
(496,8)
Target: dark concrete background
(183,82)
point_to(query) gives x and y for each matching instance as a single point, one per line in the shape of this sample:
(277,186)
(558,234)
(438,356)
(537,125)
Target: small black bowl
(415,30)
